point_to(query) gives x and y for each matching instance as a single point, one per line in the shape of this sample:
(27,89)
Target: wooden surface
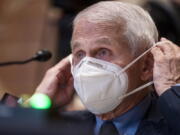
(25,27)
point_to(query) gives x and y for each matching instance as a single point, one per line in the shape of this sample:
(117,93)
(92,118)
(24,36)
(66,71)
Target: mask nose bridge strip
(135,60)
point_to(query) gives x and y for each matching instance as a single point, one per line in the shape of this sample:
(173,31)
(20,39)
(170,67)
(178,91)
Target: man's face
(106,43)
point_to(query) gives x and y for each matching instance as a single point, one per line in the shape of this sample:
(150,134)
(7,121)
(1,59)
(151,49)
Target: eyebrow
(103,40)
(75,44)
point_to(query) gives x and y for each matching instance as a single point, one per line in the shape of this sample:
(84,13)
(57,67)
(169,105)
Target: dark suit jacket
(162,117)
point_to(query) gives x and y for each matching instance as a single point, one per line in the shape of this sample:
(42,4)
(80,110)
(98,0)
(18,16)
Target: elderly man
(125,78)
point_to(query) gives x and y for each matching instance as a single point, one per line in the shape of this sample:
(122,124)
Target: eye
(79,55)
(103,53)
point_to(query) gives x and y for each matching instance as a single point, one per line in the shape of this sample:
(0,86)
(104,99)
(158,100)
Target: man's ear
(147,67)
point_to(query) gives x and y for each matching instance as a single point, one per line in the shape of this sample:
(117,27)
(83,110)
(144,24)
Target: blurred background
(27,26)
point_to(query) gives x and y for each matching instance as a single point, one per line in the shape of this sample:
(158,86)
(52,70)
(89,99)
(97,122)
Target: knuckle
(159,59)
(178,57)
(170,58)
(169,42)
(50,71)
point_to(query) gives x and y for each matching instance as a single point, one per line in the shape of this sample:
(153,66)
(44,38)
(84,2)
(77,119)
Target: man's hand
(58,83)
(166,72)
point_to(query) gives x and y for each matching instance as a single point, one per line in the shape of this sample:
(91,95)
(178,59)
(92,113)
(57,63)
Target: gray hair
(138,27)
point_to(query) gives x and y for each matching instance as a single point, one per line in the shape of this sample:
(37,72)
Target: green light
(40,101)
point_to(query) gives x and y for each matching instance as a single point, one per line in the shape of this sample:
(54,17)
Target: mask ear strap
(143,86)
(137,89)
(70,59)
(135,60)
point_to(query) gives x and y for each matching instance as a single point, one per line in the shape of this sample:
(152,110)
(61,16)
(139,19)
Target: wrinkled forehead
(90,30)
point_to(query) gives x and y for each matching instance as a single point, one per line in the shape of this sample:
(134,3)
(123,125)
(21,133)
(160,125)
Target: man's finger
(167,48)
(63,64)
(70,86)
(171,44)
(157,53)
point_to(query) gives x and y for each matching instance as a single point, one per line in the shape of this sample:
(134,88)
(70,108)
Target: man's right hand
(58,83)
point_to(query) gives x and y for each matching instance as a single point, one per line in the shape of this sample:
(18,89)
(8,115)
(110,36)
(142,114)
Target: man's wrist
(173,87)
(161,89)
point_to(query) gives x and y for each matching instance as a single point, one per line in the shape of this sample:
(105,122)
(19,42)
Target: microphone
(42,56)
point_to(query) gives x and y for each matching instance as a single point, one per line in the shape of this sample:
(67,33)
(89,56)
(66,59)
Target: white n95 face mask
(99,84)
(102,85)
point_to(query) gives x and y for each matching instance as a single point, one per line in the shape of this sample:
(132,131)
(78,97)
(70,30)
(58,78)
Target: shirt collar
(128,122)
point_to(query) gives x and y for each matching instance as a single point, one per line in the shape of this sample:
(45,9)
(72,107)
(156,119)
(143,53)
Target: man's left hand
(166,71)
